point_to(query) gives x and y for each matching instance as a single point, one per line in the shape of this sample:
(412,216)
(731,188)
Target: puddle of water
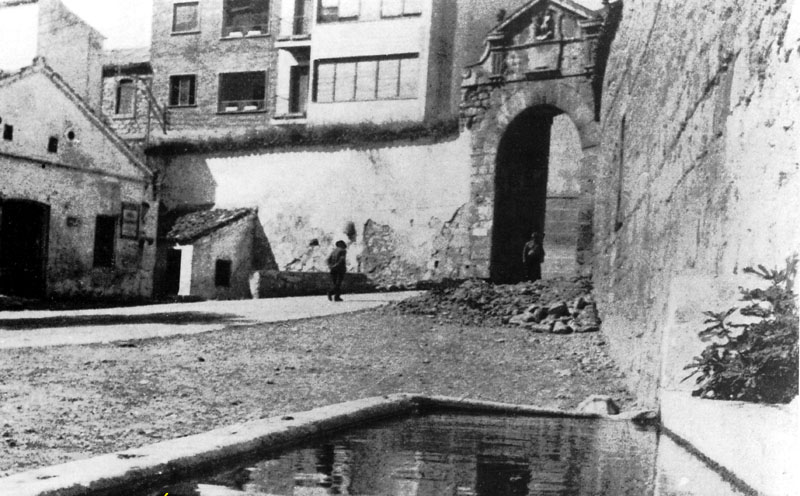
(470,455)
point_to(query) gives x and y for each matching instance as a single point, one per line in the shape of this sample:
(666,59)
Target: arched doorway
(24,228)
(537,189)
(520,190)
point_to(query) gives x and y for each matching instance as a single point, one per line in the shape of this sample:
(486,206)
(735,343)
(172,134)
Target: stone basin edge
(125,471)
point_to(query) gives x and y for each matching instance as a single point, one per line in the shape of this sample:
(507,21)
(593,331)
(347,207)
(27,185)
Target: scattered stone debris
(557,306)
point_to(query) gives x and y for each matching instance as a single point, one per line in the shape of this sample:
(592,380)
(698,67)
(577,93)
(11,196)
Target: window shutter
(345,81)
(388,77)
(409,77)
(366,79)
(325,76)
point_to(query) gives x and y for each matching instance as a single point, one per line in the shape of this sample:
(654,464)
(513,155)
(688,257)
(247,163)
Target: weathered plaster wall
(75,200)
(312,194)
(86,177)
(699,162)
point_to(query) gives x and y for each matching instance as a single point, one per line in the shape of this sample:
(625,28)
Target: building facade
(345,61)
(232,67)
(213,64)
(214,253)
(78,206)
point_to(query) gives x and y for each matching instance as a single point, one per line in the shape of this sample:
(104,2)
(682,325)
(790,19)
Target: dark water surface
(470,455)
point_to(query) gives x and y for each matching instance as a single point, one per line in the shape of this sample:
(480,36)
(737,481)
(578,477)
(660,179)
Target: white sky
(124,23)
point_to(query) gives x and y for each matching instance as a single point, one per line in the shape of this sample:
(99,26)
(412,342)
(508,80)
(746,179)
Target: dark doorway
(172,276)
(23,247)
(298,90)
(520,195)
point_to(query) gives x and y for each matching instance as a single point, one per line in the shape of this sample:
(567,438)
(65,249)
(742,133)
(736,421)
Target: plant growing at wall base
(755,361)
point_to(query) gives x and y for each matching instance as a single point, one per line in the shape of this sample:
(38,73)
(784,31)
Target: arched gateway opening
(537,189)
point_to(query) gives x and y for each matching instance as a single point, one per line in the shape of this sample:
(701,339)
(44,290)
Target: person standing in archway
(533,256)
(337,263)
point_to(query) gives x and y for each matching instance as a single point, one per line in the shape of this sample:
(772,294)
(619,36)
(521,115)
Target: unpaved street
(67,402)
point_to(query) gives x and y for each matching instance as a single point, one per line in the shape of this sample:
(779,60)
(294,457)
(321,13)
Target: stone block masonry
(699,164)
(206,54)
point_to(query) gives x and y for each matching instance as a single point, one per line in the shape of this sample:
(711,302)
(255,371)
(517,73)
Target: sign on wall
(129,221)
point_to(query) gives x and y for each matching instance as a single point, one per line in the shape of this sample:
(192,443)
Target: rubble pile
(558,306)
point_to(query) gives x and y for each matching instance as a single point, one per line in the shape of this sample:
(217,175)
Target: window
(245,17)
(104,232)
(374,78)
(126,92)
(397,8)
(243,91)
(8,132)
(52,145)
(185,18)
(222,273)
(498,63)
(181,90)
(338,10)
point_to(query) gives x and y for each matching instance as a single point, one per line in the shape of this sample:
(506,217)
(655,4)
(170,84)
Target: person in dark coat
(533,256)
(337,263)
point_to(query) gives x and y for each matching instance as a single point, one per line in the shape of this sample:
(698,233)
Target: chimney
(72,48)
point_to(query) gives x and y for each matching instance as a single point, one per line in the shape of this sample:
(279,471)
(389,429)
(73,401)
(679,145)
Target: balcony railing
(233,106)
(241,26)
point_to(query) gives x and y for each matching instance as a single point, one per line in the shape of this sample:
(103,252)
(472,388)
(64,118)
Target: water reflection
(460,455)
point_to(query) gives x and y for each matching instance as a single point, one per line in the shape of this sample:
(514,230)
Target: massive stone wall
(699,164)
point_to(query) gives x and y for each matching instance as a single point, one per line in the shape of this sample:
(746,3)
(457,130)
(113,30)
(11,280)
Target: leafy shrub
(758,361)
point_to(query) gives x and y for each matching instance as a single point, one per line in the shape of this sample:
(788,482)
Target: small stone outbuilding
(215,252)
(77,205)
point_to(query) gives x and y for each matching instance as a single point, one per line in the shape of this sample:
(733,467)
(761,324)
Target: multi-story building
(226,66)
(351,61)
(213,63)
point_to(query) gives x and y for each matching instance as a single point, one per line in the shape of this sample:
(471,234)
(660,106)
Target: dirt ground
(69,402)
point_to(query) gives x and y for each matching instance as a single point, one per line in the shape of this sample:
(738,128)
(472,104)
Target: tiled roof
(193,226)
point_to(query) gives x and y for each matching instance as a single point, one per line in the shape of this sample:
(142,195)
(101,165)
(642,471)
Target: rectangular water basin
(444,452)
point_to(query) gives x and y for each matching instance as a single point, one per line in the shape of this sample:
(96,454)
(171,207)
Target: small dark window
(71,135)
(222,273)
(181,90)
(185,18)
(52,145)
(8,132)
(242,91)
(125,97)
(104,233)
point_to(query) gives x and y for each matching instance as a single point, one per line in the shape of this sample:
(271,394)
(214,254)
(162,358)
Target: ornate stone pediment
(542,39)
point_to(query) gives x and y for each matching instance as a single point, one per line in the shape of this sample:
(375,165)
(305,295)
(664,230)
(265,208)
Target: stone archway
(492,113)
